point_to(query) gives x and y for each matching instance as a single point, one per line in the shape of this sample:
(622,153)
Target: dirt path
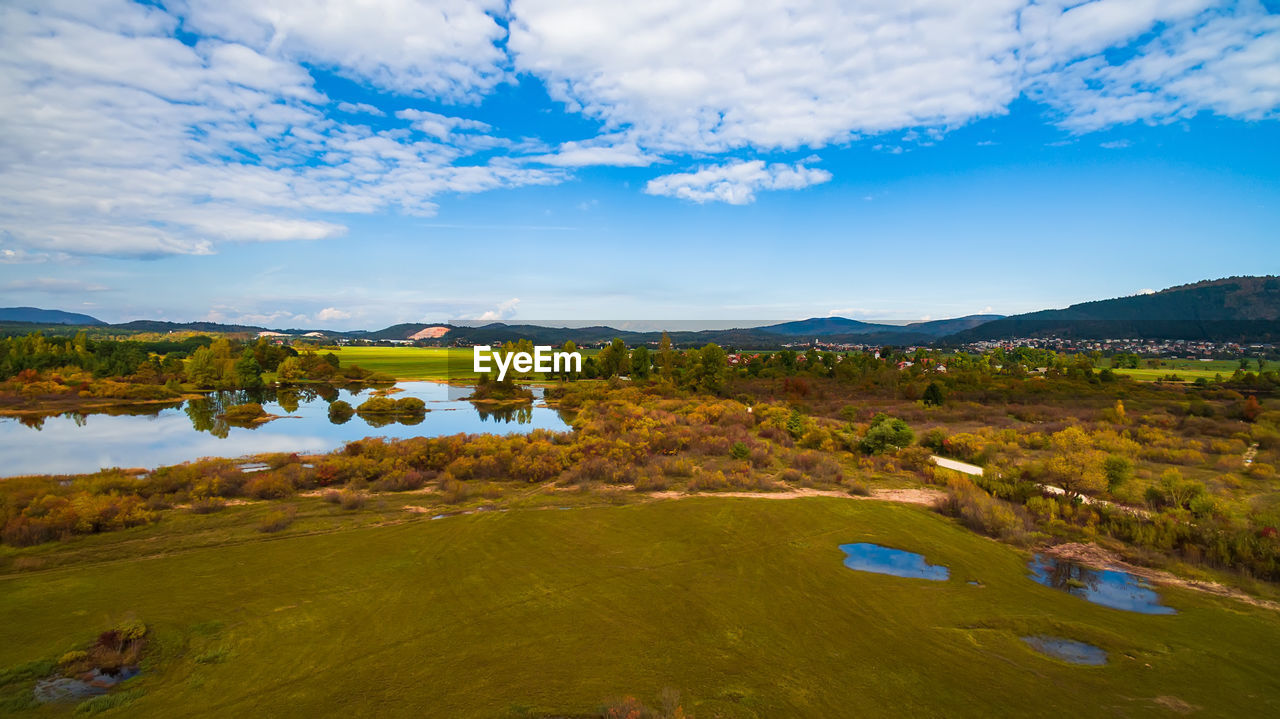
(956,465)
(1094,556)
(904,496)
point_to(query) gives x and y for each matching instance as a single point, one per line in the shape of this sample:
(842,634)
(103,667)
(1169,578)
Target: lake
(75,443)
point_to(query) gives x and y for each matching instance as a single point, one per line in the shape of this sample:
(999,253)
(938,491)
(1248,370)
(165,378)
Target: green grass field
(415,363)
(741,604)
(407,363)
(1187,369)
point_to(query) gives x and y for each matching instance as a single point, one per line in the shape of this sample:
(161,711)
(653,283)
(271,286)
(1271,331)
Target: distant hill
(1234,309)
(162,326)
(826,327)
(36,315)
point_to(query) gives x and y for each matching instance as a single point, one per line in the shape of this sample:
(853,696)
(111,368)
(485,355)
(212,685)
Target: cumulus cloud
(711,77)
(504,310)
(332,314)
(771,73)
(360,108)
(441,48)
(735,182)
(145,130)
(116,138)
(440,126)
(605,150)
(1222,60)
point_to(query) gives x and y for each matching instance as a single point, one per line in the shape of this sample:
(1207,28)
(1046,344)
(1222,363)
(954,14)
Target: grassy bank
(741,604)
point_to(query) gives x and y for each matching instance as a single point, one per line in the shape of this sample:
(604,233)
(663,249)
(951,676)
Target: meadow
(415,363)
(409,363)
(742,605)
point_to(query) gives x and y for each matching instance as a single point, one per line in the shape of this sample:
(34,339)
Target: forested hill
(1235,309)
(36,315)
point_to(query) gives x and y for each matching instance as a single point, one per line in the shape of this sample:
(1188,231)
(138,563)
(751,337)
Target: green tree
(1118,470)
(666,358)
(711,369)
(248,372)
(203,369)
(613,360)
(933,396)
(640,362)
(290,369)
(886,434)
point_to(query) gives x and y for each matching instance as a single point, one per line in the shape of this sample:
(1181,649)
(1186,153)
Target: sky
(323,163)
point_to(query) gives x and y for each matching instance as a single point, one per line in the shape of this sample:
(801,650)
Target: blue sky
(309,163)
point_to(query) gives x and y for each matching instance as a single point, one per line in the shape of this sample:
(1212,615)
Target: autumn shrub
(790,476)
(708,481)
(340,411)
(332,496)
(817,468)
(350,500)
(983,513)
(403,480)
(452,490)
(269,485)
(677,467)
(244,413)
(377,405)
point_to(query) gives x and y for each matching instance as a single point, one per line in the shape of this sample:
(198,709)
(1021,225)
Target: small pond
(149,436)
(1068,650)
(1110,588)
(866,557)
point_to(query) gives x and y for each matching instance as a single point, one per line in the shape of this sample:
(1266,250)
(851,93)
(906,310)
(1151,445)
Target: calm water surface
(77,443)
(875,558)
(1068,650)
(1118,590)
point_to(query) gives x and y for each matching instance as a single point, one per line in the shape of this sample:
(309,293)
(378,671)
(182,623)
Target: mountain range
(1233,309)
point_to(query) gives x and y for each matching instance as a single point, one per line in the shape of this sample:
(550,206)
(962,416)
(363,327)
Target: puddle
(89,684)
(1068,650)
(866,557)
(1110,588)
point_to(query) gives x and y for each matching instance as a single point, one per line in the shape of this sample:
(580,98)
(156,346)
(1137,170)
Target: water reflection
(153,435)
(1110,588)
(875,558)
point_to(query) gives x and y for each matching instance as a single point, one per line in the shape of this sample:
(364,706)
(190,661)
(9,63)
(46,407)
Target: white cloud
(1222,60)
(504,310)
(711,77)
(440,126)
(770,73)
(735,182)
(1146,291)
(360,108)
(1114,144)
(438,48)
(605,150)
(118,139)
(332,314)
